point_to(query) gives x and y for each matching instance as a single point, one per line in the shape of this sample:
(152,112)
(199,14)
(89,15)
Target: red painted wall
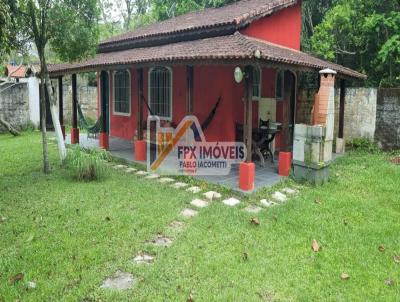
(283,27)
(210,82)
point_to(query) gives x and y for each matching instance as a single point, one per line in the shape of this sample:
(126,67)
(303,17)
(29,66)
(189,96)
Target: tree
(70,28)
(364,35)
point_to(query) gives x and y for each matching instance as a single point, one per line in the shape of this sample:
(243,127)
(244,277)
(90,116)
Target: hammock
(91,130)
(207,121)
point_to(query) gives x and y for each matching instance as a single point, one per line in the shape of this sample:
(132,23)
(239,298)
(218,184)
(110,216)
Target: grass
(68,236)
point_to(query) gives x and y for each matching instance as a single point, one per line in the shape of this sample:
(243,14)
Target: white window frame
(129,94)
(257,98)
(164,118)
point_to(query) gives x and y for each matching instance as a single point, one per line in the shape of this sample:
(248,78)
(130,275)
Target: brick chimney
(324,106)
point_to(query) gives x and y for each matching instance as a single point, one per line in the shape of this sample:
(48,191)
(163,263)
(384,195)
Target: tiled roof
(233,16)
(236,47)
(20,71)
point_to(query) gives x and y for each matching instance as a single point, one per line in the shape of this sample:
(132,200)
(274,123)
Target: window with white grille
(160,92)
(122,92)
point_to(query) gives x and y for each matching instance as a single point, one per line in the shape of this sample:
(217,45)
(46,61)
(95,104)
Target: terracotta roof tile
(236,47)
(13,71)
(238,14)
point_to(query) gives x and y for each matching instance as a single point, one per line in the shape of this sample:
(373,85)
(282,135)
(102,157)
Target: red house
(186,64)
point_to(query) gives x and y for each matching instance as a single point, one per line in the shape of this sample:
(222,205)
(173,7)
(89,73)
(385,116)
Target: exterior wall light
(238,75)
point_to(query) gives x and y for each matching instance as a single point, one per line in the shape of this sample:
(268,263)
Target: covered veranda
(226,52)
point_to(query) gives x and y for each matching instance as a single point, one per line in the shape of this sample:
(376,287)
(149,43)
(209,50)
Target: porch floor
(265,176)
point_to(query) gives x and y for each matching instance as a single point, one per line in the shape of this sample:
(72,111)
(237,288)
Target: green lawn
(68,236)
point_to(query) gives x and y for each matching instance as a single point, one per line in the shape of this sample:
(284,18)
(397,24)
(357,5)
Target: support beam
(248,113)
(74,130)
(103,82)
(247,169)
(189,90)
(341,110)
(61,104)
(140,143)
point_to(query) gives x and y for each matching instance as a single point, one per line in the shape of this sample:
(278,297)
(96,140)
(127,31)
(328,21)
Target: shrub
(86,165)
(362,144)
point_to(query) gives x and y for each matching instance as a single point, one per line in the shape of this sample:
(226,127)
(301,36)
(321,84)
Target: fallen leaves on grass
(345,222)
(315,246)
(3,219)
(255,221)
(16,278)
(317,201)
(389,282)
(381,248)
(344,276)
(396,259)
(245,256)
(190,298)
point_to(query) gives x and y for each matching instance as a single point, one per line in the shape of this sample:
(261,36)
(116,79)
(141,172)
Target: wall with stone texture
(87,98)
(359,115)
(387,133)
(14,105)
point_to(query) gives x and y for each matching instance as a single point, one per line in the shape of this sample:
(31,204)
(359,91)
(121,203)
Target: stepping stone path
(280,197)
(119,167)
(143,258)
(253,209)
(267,203)
(131,170)
(199,203)
(166,180)
(289,191)
(162,241)
(189,213)
(177,225)
(120,281)
(231,202)
(212,195)
(153,176)
(142,173)
(194,190)
(179,185)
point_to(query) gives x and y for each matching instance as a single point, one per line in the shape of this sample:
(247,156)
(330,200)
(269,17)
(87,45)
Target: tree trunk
(55,117)
(10,128)
(46,165)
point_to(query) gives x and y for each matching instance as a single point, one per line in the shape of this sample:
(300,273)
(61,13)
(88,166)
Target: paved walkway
(265,176)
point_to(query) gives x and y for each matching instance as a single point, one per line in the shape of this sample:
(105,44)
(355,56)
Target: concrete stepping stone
(177,225)
(142,173)
(280,197)
(289,191)
(143,258)
(194,190)
(231,202)
(199,203)
(119,281)
(166,180)
(179,185)
(189,213)
(162,241)
(267,203)
(131,170)
(212,195)
(152,176)
(120,167)
(253,209)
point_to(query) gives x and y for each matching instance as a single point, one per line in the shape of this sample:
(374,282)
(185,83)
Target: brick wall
(387,132)
(14,104)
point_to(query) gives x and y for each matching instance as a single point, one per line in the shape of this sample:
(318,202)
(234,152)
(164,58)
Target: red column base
(104,141)
(63,131)
(74,136)
(285,163)
(140,150)
(247,173)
